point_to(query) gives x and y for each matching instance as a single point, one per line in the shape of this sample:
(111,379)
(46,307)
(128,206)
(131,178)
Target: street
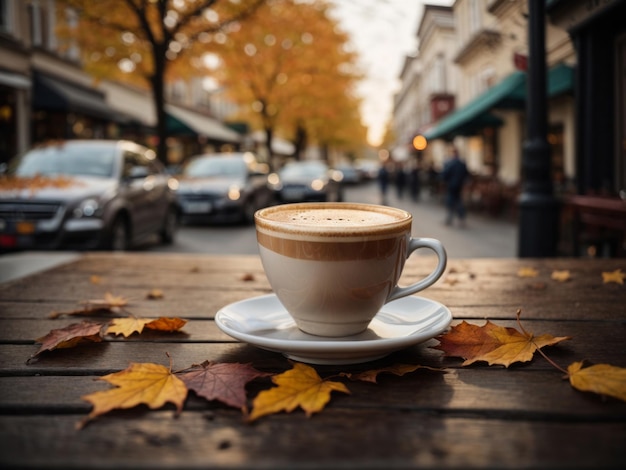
(483,237)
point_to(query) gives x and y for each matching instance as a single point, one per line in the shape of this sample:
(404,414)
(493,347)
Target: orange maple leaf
(396,369)
(70,336)
(128,326)
(298,387)
(224,382)
(492,343)
(153,385)
(603,379)
(527,272)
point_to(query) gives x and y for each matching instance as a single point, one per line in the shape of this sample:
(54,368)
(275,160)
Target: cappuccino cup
(334,265)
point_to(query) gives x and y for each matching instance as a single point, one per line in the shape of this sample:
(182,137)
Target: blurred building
(468,88)
(45,94)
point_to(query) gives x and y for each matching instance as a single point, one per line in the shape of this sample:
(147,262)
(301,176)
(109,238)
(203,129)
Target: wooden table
(525,416)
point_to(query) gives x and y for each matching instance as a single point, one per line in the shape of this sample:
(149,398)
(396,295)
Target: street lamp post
(539,208)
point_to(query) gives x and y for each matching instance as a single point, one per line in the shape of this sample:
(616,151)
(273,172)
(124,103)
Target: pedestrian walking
(400,178)
(454,175)
(414,181)
(383,181)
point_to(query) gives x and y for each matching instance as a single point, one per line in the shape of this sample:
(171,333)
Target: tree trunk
(158,93)
(300,141)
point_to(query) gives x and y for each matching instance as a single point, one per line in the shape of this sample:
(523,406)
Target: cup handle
(439,250)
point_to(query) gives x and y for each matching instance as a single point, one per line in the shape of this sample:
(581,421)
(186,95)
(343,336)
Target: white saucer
(264,322)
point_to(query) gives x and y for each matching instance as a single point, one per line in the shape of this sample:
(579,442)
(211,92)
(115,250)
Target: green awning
(510,93)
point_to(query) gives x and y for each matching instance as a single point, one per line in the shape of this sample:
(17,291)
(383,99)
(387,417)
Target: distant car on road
(350,175)
(223,187)
(86,194)
(308,181)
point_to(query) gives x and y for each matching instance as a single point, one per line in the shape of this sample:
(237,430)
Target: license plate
(197,207)
(25,228)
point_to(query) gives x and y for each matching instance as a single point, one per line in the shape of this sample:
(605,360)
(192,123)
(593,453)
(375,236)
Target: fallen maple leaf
(149,384)
(110,303)
(224,382)
(128,326)
(527,272)
(95,279)
(70,336)
(298,387)
(154,294)
(492,343)
(561,276)
(396,369)
(603,379)
(247,277)
(616,276)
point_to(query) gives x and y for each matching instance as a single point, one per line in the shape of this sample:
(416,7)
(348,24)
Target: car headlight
(88,208)
(234,193)
(317,185)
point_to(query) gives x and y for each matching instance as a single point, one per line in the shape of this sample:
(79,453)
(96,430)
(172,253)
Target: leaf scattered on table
(602,379)
(70,336)
(168,324)
(225,382)
(298,387)
(247,277)
(154,294)
(492,343)
(127,326)
(561,276)
(537,285)
(95,279)
(130,325)
(527,272)
(616,276)
(153,385)
(110,303)
(396,369)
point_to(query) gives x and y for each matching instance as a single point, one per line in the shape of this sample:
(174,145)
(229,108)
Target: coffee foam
(321,221)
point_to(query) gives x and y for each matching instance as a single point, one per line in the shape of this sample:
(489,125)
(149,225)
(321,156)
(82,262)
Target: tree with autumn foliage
(291,72)
(155,39)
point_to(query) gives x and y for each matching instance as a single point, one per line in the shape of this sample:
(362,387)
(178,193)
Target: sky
(383,32)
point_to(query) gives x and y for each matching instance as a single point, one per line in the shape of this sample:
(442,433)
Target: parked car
(349,173)
(308,181)
(228,187)
(86,194)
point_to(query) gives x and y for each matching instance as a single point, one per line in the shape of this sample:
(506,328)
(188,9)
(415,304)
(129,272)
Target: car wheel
(170,225)
(118,235)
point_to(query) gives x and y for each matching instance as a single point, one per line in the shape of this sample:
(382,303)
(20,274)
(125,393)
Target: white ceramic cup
(334,265)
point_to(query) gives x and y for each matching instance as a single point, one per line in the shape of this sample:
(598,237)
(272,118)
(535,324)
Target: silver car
(86,194)
(223,187)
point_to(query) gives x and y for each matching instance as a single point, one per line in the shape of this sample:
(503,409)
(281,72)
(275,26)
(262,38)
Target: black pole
(539,208)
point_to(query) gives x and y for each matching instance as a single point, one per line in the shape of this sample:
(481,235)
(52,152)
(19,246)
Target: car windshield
(303,170)
(205,167)
(84,160)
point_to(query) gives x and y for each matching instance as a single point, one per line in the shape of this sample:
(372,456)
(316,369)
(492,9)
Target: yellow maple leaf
(298,387)
(149,384)
(616,276)
(493,344)
(127,326)
(527,272)
(561,276)
(603,379)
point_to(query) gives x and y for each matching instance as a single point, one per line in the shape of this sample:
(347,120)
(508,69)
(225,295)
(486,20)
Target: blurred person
(414,181)
(454,175)
(383,181)
(400,179)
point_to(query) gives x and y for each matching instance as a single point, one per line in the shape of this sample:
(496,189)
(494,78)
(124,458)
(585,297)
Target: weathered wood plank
(220,440)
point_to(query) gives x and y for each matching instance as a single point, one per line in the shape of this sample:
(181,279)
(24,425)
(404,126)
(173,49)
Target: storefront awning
(510,93)
(184,121)
(14,80)
(55,95)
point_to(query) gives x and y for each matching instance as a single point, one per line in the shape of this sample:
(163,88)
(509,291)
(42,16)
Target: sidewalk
(483,236)
(17,265)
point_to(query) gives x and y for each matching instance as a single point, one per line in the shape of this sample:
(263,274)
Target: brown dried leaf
(396,369)
(247,277)
(603,379)
(128,326)
(154,294)
(149,384)
(70,336)
(298,387)
(224,382)
(166,324)
(110,304)
(492,343)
